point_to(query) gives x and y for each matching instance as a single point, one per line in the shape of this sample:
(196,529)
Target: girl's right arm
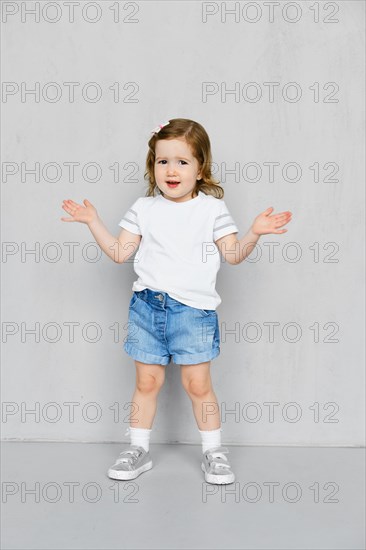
(119,250)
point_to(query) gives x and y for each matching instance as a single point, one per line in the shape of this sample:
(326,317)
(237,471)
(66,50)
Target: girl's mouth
(172,184)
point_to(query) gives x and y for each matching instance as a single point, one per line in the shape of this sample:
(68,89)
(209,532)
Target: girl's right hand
(84,214)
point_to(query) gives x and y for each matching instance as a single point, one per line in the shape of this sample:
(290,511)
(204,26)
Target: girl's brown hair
(199,142)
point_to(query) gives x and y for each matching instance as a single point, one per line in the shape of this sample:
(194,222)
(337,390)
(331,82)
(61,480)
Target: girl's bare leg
(196,380)
(149,380)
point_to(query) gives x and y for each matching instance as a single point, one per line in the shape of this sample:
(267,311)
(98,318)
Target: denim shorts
(160,329)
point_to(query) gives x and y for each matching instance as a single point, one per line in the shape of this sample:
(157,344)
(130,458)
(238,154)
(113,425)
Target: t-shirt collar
(199,197)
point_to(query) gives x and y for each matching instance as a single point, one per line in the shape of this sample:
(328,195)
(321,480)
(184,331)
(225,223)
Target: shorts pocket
(207,312)
(133,300)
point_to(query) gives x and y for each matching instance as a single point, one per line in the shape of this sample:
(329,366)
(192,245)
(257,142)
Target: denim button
(159,296)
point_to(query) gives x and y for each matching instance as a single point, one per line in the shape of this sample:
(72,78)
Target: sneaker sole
(132,474)
(216,479)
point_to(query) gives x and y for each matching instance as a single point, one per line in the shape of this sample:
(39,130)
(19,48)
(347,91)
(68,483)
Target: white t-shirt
(177,252)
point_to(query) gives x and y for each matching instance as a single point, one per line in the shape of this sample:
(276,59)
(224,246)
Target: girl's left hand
(264,223)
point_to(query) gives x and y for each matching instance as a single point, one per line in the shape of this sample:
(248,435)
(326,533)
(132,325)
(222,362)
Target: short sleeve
(224,223)
(130,220)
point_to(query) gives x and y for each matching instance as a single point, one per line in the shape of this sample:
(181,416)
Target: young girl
(180,228)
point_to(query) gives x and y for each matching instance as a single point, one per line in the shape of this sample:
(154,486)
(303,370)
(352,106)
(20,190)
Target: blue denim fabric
(161,328)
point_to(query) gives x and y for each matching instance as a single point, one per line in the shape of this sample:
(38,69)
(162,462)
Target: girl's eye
(159,161)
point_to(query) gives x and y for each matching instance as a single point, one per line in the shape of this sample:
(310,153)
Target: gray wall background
(312,287)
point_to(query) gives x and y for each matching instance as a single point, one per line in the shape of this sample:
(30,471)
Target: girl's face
(174,162)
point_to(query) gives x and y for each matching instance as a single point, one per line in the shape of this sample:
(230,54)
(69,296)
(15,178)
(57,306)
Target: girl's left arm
(235,251)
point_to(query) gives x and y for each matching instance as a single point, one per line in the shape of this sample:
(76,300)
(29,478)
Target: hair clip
(158,128)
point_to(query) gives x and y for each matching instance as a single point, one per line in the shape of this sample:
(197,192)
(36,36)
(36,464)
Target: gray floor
(317,502)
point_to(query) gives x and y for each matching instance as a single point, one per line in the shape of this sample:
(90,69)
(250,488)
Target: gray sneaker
(131,463)
(216,466)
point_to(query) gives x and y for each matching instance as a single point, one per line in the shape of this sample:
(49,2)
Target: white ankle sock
(140,436)
(210,438)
